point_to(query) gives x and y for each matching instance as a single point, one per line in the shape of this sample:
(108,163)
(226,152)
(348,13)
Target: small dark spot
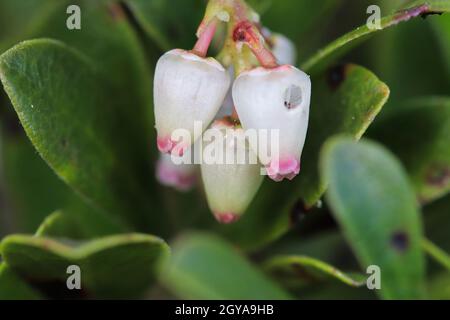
(430,13)
(63,142)
(298,212)
(241,31)
(292,97)
(400,241)
(301,272)
(336,75)
(438,176)
(116,11)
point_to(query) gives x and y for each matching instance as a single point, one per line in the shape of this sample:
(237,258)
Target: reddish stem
(247,33)
(205,38)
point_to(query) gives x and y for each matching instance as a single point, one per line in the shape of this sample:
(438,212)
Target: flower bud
(180,176)
(276,100)
(187,88)
(283,49)
(233,177)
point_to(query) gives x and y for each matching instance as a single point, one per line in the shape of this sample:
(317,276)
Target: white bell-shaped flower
(180,176)
(187,88)
(275,102)
(283,49)
(230,171)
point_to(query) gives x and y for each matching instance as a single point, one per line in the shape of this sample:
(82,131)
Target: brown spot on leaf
(400,241)
(438,176)
(116,11)
(301,272)
(336,75)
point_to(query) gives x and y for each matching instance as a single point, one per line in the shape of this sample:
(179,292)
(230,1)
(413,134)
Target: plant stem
(205,38)
(247,33)
(436,253)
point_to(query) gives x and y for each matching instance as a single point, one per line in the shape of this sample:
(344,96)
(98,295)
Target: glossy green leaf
(345,99)
(340,46)
(12,287)
(206,267)
(373,202)
(296,270)
(120,266)
(419,134)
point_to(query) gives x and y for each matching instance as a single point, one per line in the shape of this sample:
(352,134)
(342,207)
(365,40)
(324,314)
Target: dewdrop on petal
(187,88)
(181,177)
(230,186)
(275,98)
(283,49)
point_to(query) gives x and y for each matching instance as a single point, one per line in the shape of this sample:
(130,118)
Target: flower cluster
(251,85)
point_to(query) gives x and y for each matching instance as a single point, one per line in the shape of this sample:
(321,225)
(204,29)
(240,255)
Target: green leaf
(74,132)
(295,270)
(12,287)
(120,266)
(424,150)
(205,267)
(373,202)
(109,41)
(79,222)
(169,23)
(346,99)
(340,46)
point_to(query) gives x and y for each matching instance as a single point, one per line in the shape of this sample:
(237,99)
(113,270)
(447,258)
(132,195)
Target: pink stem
(247,33)
(205,38)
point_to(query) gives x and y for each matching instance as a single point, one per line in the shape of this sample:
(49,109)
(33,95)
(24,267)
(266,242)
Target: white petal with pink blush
(181,176)
(231,187)
(275,99)
(187,88)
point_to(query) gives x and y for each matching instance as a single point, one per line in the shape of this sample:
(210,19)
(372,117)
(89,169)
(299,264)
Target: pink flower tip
(169,176)
(167,145)
(226,217)
(285,168)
